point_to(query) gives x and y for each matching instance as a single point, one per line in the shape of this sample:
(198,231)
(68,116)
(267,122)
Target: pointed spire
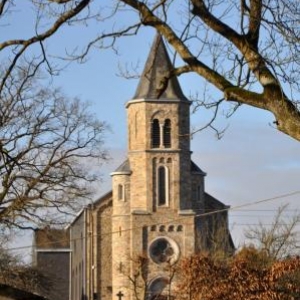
(157,65)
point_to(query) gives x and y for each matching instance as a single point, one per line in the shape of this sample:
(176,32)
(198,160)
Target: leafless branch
(47,145)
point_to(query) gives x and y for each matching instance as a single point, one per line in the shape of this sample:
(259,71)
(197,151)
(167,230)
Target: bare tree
(140,283)
(16,273)
(215,237)
(248,51)
(48,143)
(279,240)
(48,17)
(138,280)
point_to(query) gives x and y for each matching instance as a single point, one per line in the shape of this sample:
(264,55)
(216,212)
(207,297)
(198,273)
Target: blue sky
(253,161)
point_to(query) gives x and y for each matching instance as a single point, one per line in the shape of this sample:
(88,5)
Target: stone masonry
(158,193)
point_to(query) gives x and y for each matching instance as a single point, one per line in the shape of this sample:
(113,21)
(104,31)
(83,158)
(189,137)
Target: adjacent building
(51,255)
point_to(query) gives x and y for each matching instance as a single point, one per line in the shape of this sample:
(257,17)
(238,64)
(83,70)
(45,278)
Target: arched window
(153,228)
(120,192)
(162,228)
(167,133)
(171,228)
(162,185)
(155,134)
(179,228)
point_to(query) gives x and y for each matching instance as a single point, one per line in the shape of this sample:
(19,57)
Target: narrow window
(167,133)
(155,134)
(120,267)
(199,192)
(162,188)
(120,192)
(194,193)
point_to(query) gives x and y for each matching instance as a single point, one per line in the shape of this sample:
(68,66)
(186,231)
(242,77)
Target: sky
(252,162)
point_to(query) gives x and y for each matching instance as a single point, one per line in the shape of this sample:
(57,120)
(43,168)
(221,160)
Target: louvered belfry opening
(155,134)
(167,133)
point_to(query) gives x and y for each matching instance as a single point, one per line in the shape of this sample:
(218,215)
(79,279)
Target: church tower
(158,189)
(159,140)
(158,211)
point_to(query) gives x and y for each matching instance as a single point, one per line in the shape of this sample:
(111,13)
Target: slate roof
(211,203)
(107,197)
(157,66)
(196,169)
(124,167)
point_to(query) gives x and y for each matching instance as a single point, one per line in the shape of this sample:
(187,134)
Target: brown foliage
(248,276)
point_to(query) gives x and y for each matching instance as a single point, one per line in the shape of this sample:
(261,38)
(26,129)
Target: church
(157,211)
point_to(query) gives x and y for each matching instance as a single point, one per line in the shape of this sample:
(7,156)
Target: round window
(163,250)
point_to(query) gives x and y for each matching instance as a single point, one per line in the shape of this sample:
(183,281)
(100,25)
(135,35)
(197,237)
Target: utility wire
(234,208)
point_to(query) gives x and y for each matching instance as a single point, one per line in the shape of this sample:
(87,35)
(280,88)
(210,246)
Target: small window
(179,228)
(167,133)
(162,228)
(199,192)
(194,193)
(120,192)
(120,267)
(155,134)
(162,188)
(171,228)
(153,228)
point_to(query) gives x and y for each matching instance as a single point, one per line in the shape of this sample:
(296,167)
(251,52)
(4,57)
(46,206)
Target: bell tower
(159,140)
(158,189)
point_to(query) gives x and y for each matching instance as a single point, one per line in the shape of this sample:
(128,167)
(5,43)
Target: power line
(255,224)
(233,208)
